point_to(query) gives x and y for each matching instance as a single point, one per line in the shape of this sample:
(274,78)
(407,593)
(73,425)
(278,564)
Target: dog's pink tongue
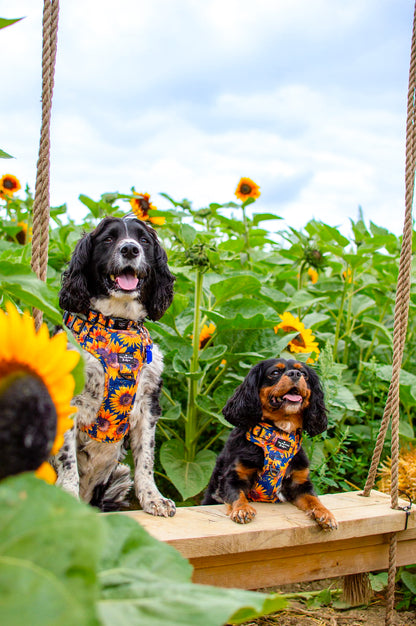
(127,282)
(293,397)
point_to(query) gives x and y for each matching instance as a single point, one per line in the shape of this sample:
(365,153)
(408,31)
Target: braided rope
(41,210)
(399,332)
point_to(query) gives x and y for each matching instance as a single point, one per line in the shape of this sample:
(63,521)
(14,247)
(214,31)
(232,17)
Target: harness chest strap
(122,347)
(279,449)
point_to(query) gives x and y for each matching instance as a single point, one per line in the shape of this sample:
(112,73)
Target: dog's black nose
(130,250)
(294,374)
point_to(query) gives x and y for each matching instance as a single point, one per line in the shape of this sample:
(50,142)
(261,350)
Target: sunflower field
(245,290)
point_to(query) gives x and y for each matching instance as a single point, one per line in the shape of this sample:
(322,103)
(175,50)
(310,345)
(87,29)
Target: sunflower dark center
(144,205)
(125,399)
(8,183)
(245,189)
(298,341)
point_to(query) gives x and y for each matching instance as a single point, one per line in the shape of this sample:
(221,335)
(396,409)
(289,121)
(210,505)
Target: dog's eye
(144,240)
(274,374)
(109,239)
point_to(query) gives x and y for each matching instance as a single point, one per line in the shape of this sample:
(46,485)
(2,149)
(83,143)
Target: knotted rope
(41,210)
(399,330)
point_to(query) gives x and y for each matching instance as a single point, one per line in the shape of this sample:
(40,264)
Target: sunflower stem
(191,410)
(339,317)
(246,237)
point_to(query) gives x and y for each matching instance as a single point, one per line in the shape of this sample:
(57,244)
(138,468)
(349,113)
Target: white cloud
(307,98)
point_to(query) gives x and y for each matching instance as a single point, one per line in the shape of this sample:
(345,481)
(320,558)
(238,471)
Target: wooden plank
(207,530)
(267,568)
(282,545)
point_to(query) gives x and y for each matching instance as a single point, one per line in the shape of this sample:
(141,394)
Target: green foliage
(234,280)
(63,563)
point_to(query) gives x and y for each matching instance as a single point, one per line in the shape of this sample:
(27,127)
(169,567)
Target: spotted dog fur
(92,468)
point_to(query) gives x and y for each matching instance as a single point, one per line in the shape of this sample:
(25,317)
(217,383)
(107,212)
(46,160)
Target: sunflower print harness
(279,449)
(122,347)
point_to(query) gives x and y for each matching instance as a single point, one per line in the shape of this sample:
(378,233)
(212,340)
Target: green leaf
(19,282)
(129,546)
(406,430)
(345,399)
(5,22)
(213,353)
(4,155)
(130,597)
(148,582)
(49,550)
(379,581)
(236,285)
(189,477)
(261,217)
(303,298)
(187,234)
(409,580)
(239,322)
(173,413)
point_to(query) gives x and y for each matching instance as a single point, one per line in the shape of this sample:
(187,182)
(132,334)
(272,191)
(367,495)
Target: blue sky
(306,97)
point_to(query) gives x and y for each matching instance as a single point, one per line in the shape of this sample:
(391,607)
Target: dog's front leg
(65,464)
(142,442)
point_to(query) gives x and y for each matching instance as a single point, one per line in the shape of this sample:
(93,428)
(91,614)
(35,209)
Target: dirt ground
(300,614)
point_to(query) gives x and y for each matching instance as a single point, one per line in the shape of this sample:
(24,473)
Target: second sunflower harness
(122,347)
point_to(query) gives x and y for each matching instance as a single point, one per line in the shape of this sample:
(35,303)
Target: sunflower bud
(314,257)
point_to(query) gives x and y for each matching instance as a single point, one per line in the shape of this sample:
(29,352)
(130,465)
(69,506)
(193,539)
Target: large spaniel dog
(117,276)
(263,459)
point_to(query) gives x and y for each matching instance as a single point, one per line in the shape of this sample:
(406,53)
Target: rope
(399,331)
(41,210)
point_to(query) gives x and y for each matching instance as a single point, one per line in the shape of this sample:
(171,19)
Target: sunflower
(9,185)
(304,341)
(121,401)
(407,473)
(43,362)
(205,335)
(141,206)
(246,188)
(313,275)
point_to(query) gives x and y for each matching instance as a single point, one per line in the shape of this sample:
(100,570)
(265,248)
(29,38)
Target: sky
(306,97)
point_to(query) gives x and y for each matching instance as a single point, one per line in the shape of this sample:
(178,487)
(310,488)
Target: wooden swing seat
(282,545)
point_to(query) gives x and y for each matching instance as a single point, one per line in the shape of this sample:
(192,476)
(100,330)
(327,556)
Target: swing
(281,545)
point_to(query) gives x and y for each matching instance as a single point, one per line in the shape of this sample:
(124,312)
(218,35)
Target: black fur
(261,398)
(90,266)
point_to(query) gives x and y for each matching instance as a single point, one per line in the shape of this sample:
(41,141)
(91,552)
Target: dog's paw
(159,506)
(325,519)
(242,514)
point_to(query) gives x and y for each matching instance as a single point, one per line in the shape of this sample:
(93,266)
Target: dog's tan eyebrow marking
(298,366)
(281,366)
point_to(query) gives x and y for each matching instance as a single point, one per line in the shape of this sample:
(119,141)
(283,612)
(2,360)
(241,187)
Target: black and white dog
(118,275)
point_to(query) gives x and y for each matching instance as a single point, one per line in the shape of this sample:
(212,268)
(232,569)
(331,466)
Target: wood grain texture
(282,545)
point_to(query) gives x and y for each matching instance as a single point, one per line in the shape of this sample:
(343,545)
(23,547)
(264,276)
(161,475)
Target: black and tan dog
(263,459)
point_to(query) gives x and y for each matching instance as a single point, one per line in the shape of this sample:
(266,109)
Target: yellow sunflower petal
(46,473)
(48,358)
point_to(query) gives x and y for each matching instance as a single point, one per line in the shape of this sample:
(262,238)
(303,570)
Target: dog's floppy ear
(158,291)
(315,420)
(244,408)
(74,295)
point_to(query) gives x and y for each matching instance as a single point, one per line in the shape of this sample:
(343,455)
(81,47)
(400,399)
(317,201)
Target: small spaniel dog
(118,275)
(263,459)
